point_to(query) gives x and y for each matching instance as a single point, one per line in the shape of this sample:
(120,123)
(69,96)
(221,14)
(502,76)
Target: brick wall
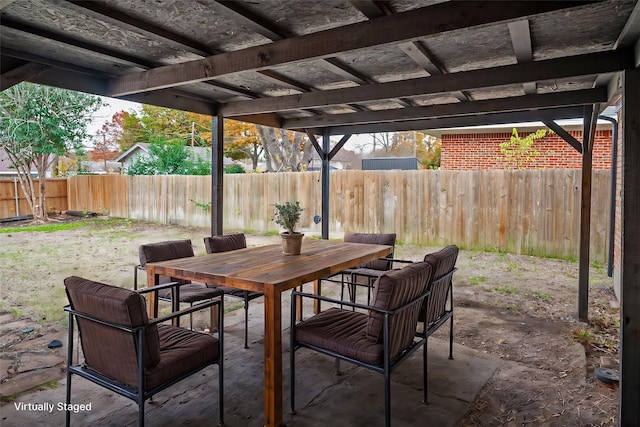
(473,151)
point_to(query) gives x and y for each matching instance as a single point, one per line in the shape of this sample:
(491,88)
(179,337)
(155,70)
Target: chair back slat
(394,289)
(388,239)
(443,263)
(226,243)
(107,350)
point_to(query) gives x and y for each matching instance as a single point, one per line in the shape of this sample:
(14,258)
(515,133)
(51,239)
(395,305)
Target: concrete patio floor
(322,399)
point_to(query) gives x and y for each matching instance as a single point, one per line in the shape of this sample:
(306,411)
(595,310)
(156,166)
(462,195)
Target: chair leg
(352,289)
(292,355)
(387,399)
(336,363)
(141,413)
(451,338)
(190,318)
(425,401)
(246,320)
(369,290)
(221,350)
(69,363)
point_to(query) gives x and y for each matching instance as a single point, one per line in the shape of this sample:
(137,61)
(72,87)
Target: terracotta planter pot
(291,243)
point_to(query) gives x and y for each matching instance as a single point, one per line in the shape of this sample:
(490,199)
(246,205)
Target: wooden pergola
(338,67)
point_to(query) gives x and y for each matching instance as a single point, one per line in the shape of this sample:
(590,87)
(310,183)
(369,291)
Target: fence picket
(532,212)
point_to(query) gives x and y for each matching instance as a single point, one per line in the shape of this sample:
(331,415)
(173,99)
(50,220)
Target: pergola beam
(406,26)
(461,121)
(580,65)
(516,103)
(21,73)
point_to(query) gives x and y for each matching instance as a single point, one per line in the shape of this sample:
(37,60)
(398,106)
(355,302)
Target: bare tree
(285,151)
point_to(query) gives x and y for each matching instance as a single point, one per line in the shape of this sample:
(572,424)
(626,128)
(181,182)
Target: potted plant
(287,215)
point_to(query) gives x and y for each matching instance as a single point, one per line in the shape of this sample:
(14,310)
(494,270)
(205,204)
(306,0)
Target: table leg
(318,291)
(299,311)
(152,280)
(272,357)
(213,314)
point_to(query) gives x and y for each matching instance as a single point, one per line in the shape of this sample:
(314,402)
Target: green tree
(520,151)
(158,122)
(169,158)
(38,124)
(234,168)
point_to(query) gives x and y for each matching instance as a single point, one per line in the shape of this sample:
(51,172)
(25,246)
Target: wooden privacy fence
(14,204)
(524,212)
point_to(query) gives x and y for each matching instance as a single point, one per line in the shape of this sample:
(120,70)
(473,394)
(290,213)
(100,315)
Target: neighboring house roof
(142,148)
(6,169)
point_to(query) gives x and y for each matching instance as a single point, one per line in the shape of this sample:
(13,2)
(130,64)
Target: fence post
(17,196)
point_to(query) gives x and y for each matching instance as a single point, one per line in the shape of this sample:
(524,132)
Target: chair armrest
(402,261)
(76,313)
(356,305)
(157,287)
(152,321)
(335,301)
(363,271)
(192,309)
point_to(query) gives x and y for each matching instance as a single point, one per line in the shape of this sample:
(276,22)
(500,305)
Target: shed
(390,163)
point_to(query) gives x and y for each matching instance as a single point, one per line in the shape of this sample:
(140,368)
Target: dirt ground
(520,308)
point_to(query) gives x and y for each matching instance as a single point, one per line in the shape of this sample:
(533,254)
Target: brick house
(479,147)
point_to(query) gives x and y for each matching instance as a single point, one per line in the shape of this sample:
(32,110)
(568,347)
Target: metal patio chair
(380,338)
(128,353)
(188,292)
(225,243)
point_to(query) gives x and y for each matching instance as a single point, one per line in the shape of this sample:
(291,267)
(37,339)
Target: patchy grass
(44,228)
(506,290)
(55,225)
(513,266)
(583,335)
(476,280)
(543,295)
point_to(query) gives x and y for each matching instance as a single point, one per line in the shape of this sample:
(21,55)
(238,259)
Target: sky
(105,113)
(355,143)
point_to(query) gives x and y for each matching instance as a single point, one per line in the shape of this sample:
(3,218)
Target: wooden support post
(590,120)
(217,169)
(326,148)
(629,415)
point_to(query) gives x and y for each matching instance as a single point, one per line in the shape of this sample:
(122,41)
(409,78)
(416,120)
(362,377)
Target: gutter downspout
(612,203)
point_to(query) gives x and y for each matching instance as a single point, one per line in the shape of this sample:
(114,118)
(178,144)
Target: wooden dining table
(267,270)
